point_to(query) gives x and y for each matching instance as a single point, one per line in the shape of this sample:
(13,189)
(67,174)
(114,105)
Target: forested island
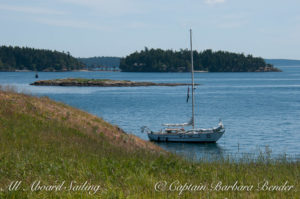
(158,60)
(24,58)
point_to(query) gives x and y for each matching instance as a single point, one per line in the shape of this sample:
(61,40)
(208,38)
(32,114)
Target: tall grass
(42,140)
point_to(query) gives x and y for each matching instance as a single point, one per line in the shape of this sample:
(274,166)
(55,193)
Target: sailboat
(177,133)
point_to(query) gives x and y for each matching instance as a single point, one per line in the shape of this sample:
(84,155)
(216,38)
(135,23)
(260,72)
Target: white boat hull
(186,137)
(177,133)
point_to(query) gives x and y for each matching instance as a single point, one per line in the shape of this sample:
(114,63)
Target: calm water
(258,110)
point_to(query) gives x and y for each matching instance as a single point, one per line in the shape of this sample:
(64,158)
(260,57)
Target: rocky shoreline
(100,83)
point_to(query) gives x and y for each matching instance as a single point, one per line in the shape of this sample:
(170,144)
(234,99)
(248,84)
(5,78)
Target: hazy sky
(266,28)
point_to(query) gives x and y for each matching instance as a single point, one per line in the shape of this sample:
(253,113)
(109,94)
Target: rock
(100,83)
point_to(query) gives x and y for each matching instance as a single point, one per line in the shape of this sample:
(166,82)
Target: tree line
(95,62)
(158,60)
(24,58)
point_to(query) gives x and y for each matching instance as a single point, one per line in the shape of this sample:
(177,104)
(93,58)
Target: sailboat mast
(192,70)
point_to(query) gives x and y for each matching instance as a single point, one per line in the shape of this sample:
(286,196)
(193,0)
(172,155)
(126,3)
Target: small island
(100,83)
(158,60)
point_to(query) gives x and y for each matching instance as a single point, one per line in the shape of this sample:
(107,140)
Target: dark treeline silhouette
(95,62)
(158,60)
(16,58)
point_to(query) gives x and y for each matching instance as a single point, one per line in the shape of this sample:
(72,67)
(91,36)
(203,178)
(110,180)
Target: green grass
(84,80)
(52,142)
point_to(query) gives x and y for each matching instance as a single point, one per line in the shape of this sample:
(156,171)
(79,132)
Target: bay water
(260,111)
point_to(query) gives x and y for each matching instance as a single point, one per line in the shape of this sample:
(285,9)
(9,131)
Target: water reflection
(195,151)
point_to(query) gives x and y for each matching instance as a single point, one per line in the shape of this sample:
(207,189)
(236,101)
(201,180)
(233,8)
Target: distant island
(99,83)
(283,62)
(105,63)
(17,58)
(158,60)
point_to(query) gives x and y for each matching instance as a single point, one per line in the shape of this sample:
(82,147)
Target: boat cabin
(168,130)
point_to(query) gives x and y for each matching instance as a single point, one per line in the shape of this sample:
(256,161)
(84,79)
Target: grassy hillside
(48,141)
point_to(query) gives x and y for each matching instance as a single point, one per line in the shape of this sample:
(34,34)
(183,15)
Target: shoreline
(196,71)
(60,147)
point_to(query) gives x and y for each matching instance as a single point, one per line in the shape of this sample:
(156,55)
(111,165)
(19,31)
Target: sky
(86,28)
